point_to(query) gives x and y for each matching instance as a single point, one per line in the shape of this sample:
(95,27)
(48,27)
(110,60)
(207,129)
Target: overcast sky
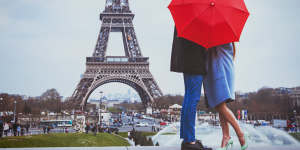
(43,44)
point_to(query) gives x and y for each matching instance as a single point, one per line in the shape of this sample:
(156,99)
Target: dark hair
(234,50)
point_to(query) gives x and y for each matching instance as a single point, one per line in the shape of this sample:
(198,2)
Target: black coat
(187,56)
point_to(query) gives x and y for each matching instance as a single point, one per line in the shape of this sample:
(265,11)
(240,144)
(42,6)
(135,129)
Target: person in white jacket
(6,128)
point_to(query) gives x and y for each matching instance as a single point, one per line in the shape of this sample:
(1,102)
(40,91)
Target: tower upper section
(117,17)
(117,6)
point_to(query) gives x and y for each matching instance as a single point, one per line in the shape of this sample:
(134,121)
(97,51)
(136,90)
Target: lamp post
(57,109)
(2,105)
(61,107)
(132,119)
(15,103)
(100,103)
(1,100)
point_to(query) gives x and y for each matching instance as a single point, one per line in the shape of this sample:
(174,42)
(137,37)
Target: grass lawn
(125,134)
(63,140)
(296,136)
(148,133)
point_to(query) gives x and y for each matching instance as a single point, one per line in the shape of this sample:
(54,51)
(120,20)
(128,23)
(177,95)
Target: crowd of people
(292,124)
(94,128)
(46,129)
(13,129)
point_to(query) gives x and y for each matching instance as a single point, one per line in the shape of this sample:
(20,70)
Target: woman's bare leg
(229,116)
(225,130)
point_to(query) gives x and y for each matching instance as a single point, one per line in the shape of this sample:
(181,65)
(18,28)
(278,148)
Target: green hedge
(296,136)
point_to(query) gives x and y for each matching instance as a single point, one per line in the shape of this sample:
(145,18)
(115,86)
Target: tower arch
(145,96)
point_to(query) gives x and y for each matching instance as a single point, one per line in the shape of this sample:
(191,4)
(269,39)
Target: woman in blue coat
(219,90)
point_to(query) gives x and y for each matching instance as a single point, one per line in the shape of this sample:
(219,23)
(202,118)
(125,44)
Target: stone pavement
(151,148)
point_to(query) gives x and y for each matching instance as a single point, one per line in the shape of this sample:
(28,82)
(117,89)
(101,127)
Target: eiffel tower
(131,69)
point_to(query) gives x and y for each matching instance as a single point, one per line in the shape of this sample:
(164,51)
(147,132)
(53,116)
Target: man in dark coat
(44,129)
(1,127)
(15,127)
(27,128)
(189,58)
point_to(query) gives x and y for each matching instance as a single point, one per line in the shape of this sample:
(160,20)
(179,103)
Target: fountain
(212,135)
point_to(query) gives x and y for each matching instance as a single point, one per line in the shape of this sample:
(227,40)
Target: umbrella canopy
(209,23)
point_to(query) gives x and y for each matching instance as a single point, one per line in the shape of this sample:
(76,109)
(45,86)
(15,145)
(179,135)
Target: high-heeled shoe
(229,144)
(245,146)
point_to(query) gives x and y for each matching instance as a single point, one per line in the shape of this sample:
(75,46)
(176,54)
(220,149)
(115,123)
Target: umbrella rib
(227,22)
(235,8)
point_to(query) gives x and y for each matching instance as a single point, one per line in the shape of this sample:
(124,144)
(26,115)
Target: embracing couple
(214,68)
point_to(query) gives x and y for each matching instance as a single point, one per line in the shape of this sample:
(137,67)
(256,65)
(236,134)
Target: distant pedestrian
(15,128)
(22,130)
(6,128)
(10,128)
(18,130)
(48,129)
(87,128)
(1,127)
(95,130)
(153,128)
(132,134)
(44,129)
(27,128)
(128,135)
(92,127)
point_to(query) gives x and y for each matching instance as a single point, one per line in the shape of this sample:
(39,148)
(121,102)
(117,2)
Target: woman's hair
(234,50)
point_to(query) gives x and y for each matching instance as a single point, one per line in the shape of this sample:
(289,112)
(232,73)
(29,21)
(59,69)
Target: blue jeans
(192,84)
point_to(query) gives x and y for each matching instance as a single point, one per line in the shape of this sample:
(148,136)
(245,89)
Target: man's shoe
(197,146)
(187,146)
(200,143)
(207,148)
(203,147)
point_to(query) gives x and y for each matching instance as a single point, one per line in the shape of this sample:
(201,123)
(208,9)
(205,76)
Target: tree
(51,100)
(50,94)
(27,108)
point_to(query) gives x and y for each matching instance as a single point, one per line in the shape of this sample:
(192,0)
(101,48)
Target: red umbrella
(209,22)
